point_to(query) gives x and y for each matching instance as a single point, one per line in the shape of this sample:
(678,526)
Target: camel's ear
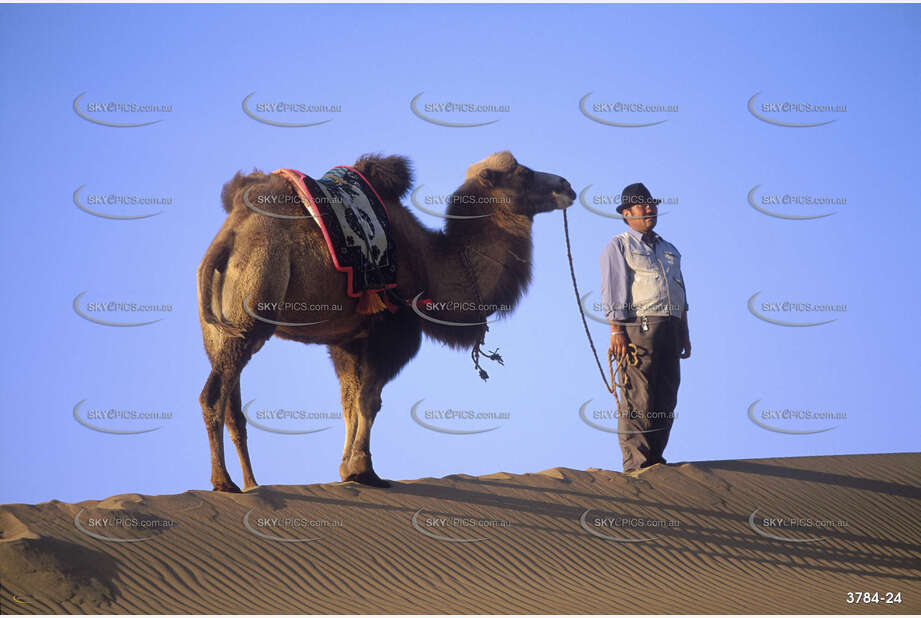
(489,177)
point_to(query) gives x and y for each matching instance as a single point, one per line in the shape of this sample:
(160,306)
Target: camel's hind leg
(260,275)
(220,400)
(236,427)
(214,398)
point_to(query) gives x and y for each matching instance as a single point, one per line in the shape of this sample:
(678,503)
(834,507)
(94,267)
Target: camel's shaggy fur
(257,258)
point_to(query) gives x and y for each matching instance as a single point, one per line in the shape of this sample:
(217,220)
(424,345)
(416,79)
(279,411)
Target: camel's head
(518,188)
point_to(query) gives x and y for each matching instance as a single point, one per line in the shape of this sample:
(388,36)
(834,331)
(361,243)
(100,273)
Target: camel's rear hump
(238,183)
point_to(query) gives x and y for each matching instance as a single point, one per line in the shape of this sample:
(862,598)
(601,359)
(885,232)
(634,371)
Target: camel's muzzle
(558,191)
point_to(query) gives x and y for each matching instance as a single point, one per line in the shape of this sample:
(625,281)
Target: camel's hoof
(368,478)
(229,487)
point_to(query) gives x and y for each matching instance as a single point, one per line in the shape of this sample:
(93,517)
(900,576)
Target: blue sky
(539,61)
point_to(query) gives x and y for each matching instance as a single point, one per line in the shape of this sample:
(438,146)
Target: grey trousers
(646,410)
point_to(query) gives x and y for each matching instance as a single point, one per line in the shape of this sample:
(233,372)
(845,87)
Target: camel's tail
(209,288)
(390,176)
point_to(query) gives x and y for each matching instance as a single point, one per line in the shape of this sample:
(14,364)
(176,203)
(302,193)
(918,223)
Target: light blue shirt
(639,280)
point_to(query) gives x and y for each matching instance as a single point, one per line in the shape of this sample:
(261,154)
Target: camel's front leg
(361,399)
(364,367)
(359,465)
(346,362)
(349,414)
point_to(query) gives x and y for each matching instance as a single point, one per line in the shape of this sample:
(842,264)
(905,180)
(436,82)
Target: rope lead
(629,358)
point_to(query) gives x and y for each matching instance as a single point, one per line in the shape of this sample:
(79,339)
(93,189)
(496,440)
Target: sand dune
(685,538)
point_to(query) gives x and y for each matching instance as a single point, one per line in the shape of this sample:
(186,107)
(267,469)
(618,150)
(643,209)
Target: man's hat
(637,193)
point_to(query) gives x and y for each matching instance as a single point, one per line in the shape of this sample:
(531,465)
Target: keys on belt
(644,321)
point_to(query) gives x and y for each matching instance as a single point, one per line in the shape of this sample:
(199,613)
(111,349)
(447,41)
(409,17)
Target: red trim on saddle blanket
(371,300)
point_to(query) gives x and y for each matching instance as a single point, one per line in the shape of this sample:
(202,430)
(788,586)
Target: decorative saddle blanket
(356,227)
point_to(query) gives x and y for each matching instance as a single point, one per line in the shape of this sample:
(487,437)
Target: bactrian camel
(481,258)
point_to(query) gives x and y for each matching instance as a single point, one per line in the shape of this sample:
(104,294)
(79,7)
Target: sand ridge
(791,535)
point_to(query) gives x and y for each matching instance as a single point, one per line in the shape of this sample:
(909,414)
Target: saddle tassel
(370,302)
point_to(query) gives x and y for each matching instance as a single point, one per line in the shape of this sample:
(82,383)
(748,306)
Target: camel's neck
(478,268)
(495,265)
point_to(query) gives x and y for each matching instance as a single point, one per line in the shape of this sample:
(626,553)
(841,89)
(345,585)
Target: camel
(480,260)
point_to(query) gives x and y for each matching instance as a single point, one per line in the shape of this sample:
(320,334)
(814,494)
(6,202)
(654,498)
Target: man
(644,300)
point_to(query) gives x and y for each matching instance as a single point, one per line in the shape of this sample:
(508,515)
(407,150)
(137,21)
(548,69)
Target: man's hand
(685,336)
(685,346)
(618,346)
